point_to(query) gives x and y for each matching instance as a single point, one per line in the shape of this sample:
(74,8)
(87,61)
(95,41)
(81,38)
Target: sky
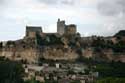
(92,17)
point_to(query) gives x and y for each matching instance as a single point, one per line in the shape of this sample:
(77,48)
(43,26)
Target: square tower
(70,29)
(31,31)
(61,27)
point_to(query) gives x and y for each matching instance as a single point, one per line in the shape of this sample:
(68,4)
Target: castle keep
(70,29)
(62,29)
(31,31)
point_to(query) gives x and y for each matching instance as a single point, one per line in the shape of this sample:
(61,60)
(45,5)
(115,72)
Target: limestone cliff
(29,55)
(59,54)
(27,50)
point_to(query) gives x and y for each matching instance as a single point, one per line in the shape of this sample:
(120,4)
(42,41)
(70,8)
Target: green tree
(10,72)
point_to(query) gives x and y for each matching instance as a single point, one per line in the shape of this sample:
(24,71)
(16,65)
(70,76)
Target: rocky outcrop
(30,55)
(88,53)
(60,54)
(28,51)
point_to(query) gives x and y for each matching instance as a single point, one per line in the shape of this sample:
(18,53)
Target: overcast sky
(92,17)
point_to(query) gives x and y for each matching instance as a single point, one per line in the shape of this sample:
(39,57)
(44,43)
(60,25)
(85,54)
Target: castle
(65,44)
(62,29)
(31,31)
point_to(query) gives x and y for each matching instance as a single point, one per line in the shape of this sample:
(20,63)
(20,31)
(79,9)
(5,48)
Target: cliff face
(28,51)
(59,54)
(54,47)
(30,55)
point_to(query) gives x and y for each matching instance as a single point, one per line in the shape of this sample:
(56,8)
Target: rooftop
(71,25)
(34,28)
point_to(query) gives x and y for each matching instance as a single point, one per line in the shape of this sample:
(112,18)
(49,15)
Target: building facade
(62,28)
(31,31)
(70,29)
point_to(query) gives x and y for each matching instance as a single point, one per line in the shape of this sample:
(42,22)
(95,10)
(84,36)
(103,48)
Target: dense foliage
(32,81)
(111,80)
(120,33)
(10,71)
(113,69)
(119,47)
(48,40)
(100,43)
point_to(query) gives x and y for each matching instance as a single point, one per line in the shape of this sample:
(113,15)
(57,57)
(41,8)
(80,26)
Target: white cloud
(50,28)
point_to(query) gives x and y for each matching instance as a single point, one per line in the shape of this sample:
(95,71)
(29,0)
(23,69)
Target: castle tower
(31,31)
(61,27)
(71,29)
